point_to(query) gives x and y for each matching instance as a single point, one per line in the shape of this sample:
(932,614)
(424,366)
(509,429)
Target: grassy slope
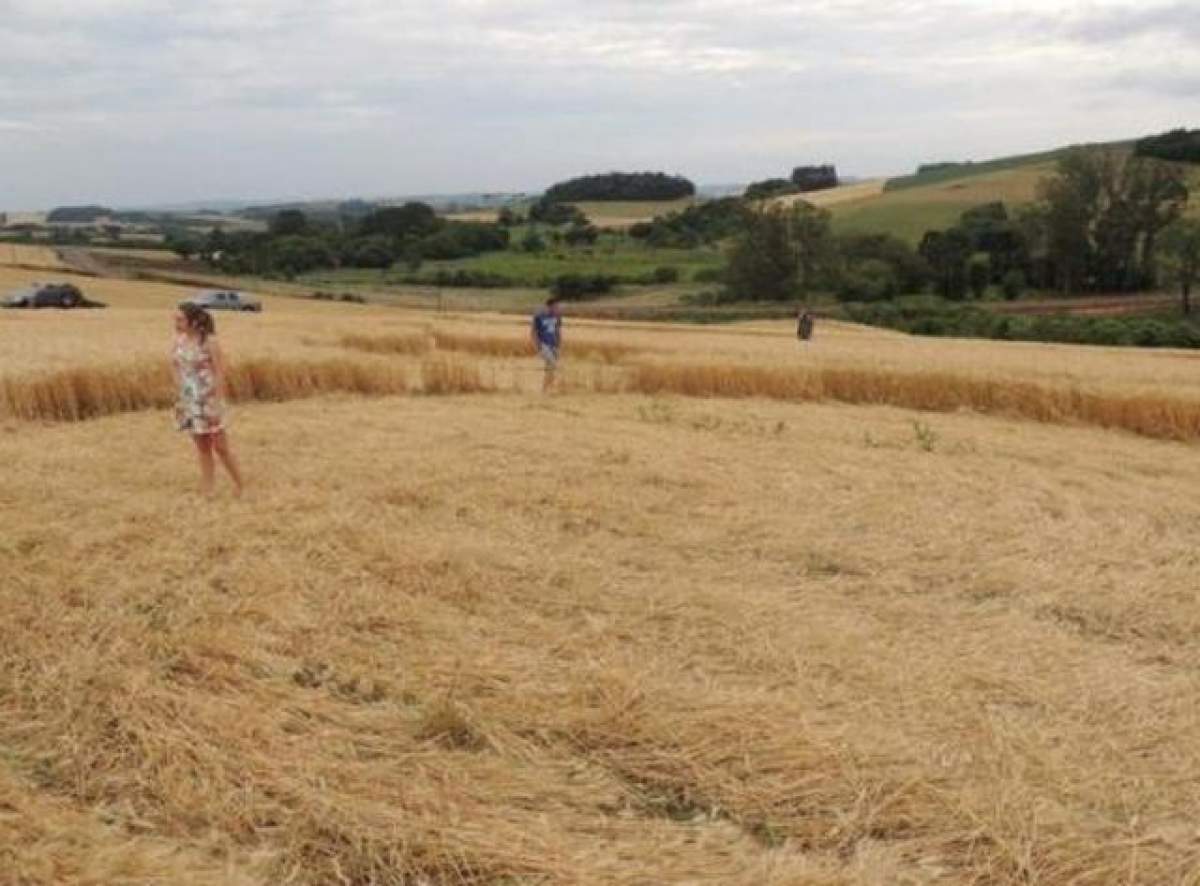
(910,212)
(1000,164)
(613,254)
(911,205)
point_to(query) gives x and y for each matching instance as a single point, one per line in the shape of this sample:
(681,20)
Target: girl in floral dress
(200,372)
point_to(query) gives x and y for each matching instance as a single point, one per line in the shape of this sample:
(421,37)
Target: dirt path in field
(1096,306)
(83,261)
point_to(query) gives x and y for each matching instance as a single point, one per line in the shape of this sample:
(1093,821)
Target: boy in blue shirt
(546,334)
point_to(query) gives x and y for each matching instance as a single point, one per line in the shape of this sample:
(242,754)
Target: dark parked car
(225,300)
(50,295)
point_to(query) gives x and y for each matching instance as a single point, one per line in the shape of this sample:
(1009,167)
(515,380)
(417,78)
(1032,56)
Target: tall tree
(1103,213)
(1181,247)
(947,253)
(764,264)
(413,219)
(1159,193)
(289,223)
(811,233)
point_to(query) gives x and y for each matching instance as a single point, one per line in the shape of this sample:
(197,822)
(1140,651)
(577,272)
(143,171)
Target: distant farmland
(911,211)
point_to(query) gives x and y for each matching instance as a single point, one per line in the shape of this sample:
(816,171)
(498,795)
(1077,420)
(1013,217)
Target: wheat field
(854,192)
(724,610)
(28,257)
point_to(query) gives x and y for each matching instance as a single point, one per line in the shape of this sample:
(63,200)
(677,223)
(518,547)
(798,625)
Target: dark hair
(553,300)
(198,319)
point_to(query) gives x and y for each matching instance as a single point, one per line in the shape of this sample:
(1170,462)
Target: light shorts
(549,356)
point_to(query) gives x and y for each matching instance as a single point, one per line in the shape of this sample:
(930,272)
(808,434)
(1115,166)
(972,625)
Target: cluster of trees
(78,214)
(769,188)
(1178,145)
(1098,222)
(1108,221)
(295,243)
(986,247)
(803,180)
(814,178)
(700,225)
(1098,226)
(942,166)
(550,212)
(621,186)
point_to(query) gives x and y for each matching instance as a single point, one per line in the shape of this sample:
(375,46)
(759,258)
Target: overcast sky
(132,102)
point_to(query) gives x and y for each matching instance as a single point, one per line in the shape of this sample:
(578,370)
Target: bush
(551,212)
(400,222)
(869,281)
(463,240)
(533,242)
(664,275)
(467,279)
(708,222)
(296,255)
(581,234)
(349,297)
(911,271)
(577,286)
(934,316)
(375,251)
(709,275)
(1013,284)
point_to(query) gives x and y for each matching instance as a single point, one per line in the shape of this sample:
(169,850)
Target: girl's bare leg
(204,449)
(221,447)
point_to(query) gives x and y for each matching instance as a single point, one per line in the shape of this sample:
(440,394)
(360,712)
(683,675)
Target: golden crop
(728,610)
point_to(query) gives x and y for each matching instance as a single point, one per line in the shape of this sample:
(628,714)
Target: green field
(912,205)
(912,210)
(612,255)
(969,169)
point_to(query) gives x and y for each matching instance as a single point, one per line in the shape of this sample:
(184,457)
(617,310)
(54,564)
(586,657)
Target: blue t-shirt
(548,328)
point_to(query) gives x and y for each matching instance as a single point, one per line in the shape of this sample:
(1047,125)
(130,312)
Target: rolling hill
(910,205)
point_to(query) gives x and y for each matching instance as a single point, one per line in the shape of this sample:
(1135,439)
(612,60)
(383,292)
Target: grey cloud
(1174,20)
(376,96)
(1176,83)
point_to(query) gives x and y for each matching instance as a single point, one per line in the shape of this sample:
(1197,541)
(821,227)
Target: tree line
(1106,221)
(1178,145)
(804,179)
(294,243)
(621,186)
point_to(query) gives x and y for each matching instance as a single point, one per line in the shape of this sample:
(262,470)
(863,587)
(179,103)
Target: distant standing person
(546,333)
(200,411)
(804,325)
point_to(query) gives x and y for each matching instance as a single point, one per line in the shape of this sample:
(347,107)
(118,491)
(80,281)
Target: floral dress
(200,409)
